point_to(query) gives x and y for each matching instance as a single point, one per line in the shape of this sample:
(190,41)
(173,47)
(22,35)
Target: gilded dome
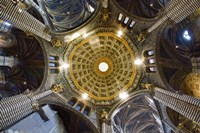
(101,65)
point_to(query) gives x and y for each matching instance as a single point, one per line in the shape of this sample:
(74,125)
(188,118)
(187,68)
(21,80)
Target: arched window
(120,17)
(79,106)
(148,53)
(151,69)
(72,102)
(152,61)
(126,20)
(54,64)
(53,58)
(186,35)
(87,111)
(132,24)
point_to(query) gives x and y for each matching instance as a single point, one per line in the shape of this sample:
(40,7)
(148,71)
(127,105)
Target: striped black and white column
(13,109)
(176,10)
(15,15)
(186,105)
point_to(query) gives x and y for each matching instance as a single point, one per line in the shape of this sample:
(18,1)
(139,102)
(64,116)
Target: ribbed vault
(138,115)
(68,14)
(28,72)
(142,8)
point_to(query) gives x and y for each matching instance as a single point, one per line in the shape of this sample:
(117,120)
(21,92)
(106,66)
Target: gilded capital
(57,88)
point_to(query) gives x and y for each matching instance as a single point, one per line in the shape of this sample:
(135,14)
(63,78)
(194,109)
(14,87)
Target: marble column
(18,17)
(176,10)
(106,127)
(105,123)
(186,105)
(17,107)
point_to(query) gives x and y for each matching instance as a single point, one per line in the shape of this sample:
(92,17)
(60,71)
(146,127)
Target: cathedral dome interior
(99,66)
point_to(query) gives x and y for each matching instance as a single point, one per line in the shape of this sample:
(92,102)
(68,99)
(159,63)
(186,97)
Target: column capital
(35,106)
(148,86)
(57,88)
(104,116)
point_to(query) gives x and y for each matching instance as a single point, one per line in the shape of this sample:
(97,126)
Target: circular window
(103,66)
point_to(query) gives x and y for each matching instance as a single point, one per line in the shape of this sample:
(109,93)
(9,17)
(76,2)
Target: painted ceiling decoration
(191,84)
(85,58)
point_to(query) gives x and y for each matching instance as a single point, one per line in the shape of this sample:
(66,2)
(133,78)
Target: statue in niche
(105,15)
(104,115)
